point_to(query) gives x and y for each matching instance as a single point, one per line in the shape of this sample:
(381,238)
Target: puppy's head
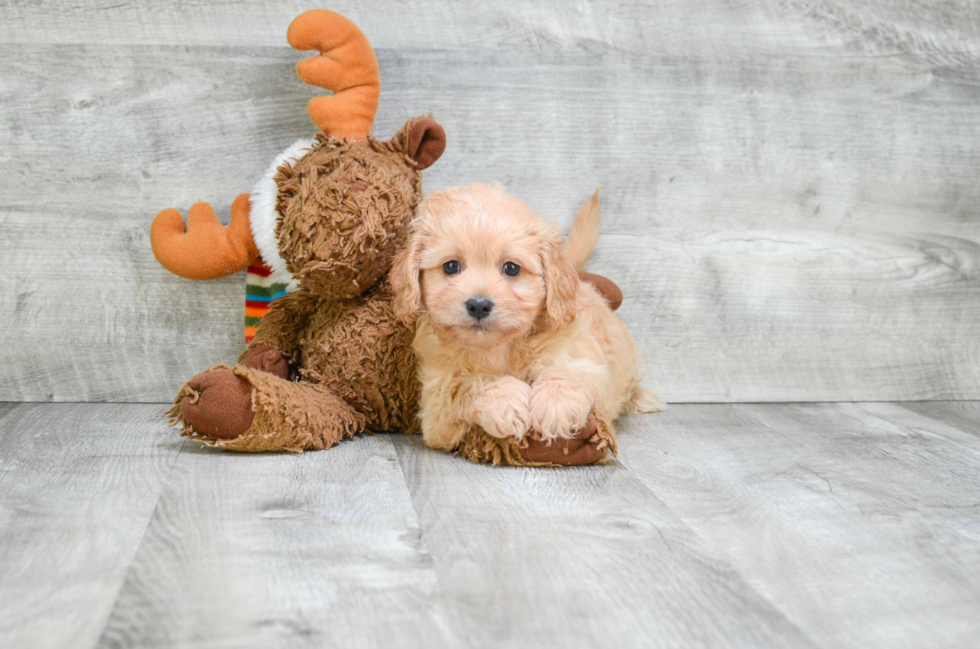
(484,267)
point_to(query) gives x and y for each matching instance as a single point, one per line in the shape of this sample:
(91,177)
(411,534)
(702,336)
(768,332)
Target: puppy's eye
(511,269)
(451,267)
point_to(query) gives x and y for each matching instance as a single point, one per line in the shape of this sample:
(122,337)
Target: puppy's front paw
(558,409)
(502,409)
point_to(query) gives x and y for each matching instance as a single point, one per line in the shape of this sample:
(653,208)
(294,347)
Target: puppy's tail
(585,232)
(644,400)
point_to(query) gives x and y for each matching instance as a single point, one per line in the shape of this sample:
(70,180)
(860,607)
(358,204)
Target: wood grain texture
(858,526)
(78,484)
(948,424)
(963,415)
(790,190)
(6,407)
(577,557)
(773,525)
(947,31)
(263,550)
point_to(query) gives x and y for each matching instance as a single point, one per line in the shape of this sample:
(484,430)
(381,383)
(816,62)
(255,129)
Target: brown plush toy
(330,359)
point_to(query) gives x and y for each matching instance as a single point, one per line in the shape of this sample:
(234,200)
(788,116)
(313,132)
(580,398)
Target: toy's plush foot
(581,449)
(245,409)
(589,446)
(217,404)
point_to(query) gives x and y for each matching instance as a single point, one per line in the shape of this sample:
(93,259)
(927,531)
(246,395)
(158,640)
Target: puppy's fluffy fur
(551,350)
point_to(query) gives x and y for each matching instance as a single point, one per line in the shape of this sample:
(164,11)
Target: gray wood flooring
(779,525)
(791,189)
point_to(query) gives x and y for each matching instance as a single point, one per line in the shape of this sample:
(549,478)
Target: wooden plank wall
(791,188)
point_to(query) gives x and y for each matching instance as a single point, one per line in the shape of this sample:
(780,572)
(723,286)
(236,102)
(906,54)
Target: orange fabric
(204,249)
(346,65)
(255,311)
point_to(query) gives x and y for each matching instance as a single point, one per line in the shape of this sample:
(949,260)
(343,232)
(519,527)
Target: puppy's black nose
(479,307)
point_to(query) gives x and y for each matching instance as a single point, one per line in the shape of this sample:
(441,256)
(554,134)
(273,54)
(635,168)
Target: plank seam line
(912,429)
(711,547)
(138,545)
(399,455)
(448,621)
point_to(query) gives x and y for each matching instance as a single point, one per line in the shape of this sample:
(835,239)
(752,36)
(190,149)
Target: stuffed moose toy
(327,359)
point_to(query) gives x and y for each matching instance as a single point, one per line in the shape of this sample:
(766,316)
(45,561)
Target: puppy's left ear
(406,280)
(422,139)
(560,284)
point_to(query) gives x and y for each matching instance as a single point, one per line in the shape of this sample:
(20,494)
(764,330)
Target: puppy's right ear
(560,283)
(406,280)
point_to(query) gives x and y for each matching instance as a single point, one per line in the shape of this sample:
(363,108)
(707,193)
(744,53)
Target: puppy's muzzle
(479,307)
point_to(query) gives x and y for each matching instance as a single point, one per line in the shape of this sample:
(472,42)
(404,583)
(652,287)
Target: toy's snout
(341,278)
(331,280)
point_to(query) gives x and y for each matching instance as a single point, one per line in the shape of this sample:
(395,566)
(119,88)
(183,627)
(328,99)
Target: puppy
(507,336)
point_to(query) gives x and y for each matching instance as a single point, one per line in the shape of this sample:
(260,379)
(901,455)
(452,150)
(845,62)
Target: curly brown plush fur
(343,208)
(343,211)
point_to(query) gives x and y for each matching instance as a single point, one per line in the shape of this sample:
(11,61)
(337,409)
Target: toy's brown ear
(425,142)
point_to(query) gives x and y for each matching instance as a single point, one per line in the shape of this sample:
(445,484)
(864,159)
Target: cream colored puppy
(508,338)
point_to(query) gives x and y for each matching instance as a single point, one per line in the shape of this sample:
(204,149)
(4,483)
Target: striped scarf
(260,290)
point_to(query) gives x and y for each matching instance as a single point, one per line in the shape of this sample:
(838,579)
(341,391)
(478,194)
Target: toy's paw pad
(583,448)
(266,359)
(221,406)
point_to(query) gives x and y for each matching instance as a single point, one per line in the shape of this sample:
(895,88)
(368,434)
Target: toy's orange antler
(346,64)
(205,249)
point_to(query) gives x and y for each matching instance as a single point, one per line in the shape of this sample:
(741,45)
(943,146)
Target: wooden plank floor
(763,525)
